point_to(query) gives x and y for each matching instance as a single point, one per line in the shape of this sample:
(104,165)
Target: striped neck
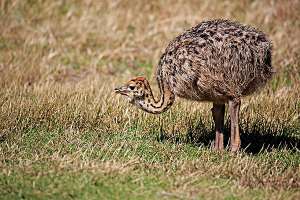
(164,102)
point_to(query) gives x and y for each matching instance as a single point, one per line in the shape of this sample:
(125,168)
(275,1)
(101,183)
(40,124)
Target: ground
(64,134)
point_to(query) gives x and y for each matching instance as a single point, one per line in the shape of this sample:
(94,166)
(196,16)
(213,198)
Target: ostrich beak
(121,90)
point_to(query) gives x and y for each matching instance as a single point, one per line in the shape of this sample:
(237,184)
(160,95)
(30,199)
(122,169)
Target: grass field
(64,134)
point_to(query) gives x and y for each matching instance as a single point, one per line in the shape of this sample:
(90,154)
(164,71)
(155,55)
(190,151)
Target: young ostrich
(218,61)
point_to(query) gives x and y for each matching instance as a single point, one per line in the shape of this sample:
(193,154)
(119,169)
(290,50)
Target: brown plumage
(218,61)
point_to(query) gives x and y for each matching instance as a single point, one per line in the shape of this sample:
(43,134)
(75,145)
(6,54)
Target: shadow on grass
(256,136)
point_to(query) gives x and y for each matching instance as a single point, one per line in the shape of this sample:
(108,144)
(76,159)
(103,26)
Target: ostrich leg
(218,111)
(234,109)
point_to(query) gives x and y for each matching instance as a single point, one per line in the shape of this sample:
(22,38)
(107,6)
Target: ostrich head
(136,90)
(139,93)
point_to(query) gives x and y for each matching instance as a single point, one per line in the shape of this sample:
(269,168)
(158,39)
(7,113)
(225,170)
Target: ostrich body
(218,61)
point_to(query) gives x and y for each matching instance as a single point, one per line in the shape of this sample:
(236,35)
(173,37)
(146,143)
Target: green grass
(91,165)
(115,185)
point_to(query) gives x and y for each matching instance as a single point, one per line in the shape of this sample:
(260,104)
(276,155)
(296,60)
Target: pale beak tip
(118,90)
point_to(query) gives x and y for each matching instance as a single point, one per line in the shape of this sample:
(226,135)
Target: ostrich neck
(163,102)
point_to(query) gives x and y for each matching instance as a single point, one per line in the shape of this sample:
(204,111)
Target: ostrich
(218,61)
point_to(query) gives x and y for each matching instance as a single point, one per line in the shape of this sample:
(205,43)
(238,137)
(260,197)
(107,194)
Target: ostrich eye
(131,87)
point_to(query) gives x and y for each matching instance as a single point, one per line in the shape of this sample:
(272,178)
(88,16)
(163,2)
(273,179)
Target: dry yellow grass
(60,60)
